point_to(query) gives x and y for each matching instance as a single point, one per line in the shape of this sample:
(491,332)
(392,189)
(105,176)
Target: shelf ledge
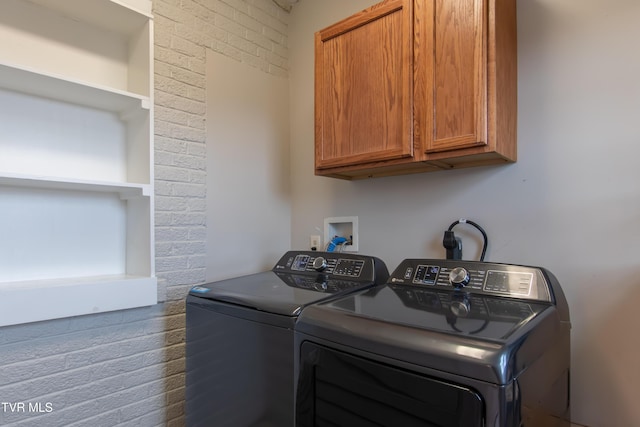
(39,300)
(125,190)
(48,85)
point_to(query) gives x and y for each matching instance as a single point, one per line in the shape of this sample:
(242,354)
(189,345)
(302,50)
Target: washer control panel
(475,277)
(330,264)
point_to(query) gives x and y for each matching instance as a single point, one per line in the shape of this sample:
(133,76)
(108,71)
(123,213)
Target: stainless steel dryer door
(340,389)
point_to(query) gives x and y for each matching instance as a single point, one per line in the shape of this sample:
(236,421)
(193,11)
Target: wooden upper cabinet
(451,65)
(363,87)
(417,85)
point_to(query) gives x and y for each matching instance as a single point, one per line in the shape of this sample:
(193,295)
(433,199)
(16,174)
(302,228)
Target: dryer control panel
(504,280)
(334,265)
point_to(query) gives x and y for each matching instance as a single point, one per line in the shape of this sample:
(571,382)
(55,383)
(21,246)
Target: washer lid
(488,338)
(278,293)
(451,312)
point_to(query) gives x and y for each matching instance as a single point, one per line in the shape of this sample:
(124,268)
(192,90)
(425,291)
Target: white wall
(248,206)
(571,203)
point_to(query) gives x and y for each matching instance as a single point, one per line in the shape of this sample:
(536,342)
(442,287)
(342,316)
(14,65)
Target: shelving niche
(76,163)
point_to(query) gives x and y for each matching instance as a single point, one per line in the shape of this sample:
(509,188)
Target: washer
(239,336)
(443,343)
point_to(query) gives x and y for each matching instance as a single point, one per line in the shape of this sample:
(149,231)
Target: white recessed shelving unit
(76,158)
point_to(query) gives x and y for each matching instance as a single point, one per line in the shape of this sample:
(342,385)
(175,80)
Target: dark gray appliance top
(488,328)
(298,279)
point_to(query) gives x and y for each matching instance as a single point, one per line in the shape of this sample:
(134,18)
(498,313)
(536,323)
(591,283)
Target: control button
(319,263)
(459,277)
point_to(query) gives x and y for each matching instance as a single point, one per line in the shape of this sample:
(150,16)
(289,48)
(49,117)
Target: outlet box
(315,241)
(343,226)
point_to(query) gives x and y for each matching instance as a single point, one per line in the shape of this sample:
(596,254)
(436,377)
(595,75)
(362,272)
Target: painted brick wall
(251,31)
(127,368)
(107,369)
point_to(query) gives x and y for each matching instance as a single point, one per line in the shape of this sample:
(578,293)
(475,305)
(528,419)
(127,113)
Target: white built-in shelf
(125,190)
(37,300)
(48,85)
(76,158)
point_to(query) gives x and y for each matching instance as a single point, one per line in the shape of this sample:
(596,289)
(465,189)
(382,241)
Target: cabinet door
(363,87)
(451,65)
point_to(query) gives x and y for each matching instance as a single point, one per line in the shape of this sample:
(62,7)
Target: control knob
(459,277)
(319,264)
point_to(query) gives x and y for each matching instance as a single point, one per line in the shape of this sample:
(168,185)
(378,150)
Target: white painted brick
(229,51)
(163,188)
(191,218)
(259,39)
(214,33)
(248,22)
(275,36)
(238,5)
(186,47)
(30,369)
(163,249)
(197,177)
(179,292)
(172,86)
(267,19)
(191,162)
(266,5)
(244,45)
(198,66)
(175,396)
(197,205)
(168,173)
(198,94)
(230,26)
(162,38)
(164,158)
(197,234)
(133,412)
(155,418)
(170,145)
(188,134)
(197,122)
(188,248)
(170,115)
(198,261)
(171,234)
(164,9)
(179,103)
(163,219)
(165,55)
(193,32)
(171,204)
(176,263)
(189,76)
(202,12)
(189,190)
(220,7)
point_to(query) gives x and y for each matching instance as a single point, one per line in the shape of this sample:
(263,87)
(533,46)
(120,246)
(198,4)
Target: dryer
(239,344)
(442,343)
